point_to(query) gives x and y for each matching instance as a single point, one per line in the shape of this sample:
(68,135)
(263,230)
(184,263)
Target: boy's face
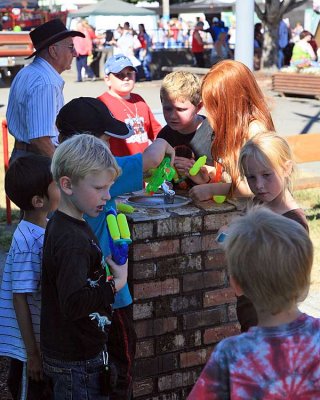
(180,115)
(263,181)
(90,194)
(121,83)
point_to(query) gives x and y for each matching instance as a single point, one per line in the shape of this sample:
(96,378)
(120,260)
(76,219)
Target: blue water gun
(119,236)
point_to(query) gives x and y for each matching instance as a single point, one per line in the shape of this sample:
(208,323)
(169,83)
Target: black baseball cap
(90,115)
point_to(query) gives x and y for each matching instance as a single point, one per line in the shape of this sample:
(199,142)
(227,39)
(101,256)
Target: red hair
(232,99)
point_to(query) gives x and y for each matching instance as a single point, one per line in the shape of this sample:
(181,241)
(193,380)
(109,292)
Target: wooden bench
(296,83)
(15,44)
(305,149)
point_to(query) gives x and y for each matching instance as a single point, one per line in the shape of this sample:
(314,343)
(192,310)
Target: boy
(76,294)
(181,101)
(120,76)
(269,259)
(28,184)
(90,115)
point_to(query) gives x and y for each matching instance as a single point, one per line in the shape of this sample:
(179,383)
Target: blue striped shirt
(34,101)
(22,273)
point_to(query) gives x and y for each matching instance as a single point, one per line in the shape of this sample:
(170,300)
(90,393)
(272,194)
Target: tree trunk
(270,47)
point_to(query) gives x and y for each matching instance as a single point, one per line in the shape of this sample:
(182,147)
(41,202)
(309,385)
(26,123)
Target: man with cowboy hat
(36,93)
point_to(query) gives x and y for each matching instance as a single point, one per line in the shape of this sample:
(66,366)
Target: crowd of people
(66,309)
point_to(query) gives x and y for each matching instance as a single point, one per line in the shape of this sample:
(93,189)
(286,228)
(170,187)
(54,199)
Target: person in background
(283,41)
(144,51)
(29,185)
(120,76)
(84,48)
(197,45)
(303,55)
(36,96)
(257,45)
(269,260)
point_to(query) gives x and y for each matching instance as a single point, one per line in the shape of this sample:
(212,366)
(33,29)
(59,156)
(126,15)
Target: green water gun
(194,170)
(164,172)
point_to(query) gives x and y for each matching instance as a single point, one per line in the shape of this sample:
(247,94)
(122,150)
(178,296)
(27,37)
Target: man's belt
(25,147)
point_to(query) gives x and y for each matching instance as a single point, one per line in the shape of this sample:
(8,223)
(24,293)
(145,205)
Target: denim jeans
(76,379)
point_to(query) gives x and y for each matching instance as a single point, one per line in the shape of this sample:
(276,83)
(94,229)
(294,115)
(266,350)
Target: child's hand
(202,176)
(119,272)
(34,366)
(201,192)
(183,165)
(155,153)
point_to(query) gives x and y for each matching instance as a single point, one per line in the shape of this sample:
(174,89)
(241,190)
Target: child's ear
(65,184)
(199,106)
(235,286)
(37,201)
(288,166)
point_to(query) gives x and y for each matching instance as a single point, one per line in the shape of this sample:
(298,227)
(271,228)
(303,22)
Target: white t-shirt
(22,274)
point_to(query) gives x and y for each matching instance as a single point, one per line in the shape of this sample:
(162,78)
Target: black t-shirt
(75,295)
(200,141)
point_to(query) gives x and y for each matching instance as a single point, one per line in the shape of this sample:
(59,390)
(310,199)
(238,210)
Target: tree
(273,12)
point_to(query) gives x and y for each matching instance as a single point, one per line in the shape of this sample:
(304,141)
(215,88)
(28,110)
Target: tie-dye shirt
(265,363)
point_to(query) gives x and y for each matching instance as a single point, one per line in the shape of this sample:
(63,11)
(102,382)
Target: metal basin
(157,201)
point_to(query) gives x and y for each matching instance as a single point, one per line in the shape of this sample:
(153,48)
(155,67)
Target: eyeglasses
(69,46)
(123,75)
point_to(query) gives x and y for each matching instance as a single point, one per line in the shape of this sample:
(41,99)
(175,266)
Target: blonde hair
(272,151)
(82,155)
(270,257)
(181,85)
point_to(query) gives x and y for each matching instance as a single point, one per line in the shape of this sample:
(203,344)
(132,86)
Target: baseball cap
(87,114)
(117,63)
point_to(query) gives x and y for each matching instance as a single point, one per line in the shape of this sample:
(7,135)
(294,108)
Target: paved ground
(291,115)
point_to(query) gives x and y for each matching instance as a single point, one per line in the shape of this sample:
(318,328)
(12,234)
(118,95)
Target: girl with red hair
(236,110)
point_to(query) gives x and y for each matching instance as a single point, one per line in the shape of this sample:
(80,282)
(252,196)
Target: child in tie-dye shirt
(269,259)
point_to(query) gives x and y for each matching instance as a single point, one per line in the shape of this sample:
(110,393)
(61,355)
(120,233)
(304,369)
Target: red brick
(175,342)
(155,327)
(142,231)
(214,335)
(192,358)
(156,288)
(179,265)
(142,387)
(164,248)
(177,380)
(145,348)
(219,296)
(191,244)
(202,280)
(166,306)
(146,270)
(178,226)
(141,311)
(209,243)
(215,260)
(213,222)
(201,318)
(155,366)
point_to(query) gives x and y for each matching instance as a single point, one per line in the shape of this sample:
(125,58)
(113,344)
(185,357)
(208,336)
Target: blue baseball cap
(117,63)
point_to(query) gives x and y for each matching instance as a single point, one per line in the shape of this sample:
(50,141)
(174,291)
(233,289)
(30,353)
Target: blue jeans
(76,379)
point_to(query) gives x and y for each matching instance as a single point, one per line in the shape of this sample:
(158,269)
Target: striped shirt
(35,99)
(22,274)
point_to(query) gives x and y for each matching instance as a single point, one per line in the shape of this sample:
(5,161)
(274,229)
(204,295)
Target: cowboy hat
(49,33)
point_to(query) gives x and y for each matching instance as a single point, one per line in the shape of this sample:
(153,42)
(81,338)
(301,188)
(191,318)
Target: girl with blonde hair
(236,110)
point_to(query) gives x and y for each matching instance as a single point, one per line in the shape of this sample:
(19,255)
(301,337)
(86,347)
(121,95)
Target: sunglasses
(124,75)
(69,46)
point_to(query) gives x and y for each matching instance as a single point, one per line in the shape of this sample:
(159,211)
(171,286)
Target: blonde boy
(181,102)
(77,296)
(269,259)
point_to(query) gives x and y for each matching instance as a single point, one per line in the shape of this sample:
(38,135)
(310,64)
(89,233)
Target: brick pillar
(183,304)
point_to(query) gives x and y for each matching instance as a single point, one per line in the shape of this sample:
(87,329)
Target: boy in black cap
(89,115)
(36,93)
